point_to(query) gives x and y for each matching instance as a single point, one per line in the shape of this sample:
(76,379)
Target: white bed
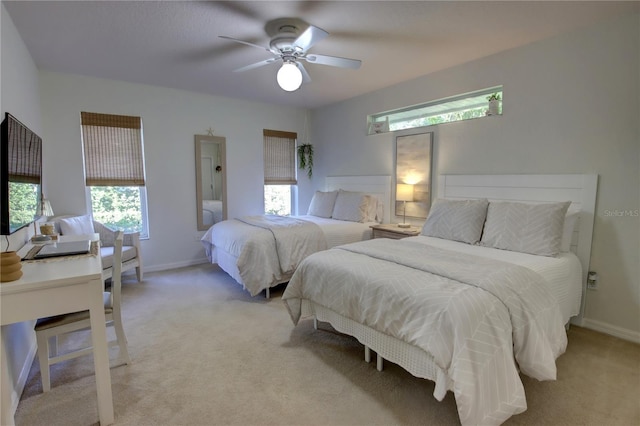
(249,254)
(406,299)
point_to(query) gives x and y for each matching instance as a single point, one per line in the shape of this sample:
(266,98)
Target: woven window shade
(25,154)
(279,158)
(112,150)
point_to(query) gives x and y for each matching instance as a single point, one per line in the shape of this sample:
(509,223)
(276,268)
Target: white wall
(571,105)
(19,96)
(170,119)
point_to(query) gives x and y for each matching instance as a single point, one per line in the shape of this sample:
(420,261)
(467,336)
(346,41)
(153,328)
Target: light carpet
(206,353)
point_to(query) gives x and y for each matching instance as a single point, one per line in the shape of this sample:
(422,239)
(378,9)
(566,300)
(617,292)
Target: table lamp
(46,229)
(46,208)
(404,193)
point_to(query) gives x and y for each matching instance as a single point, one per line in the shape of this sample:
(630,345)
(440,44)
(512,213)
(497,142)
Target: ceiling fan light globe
(289,77)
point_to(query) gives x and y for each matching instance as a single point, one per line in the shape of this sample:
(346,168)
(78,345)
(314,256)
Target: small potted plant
(494,104)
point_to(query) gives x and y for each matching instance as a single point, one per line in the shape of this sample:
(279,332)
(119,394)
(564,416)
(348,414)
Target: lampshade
(289,77)
(46,208)
(404,192)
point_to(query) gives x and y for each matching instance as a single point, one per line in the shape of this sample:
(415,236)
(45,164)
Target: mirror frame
(221,141)
(414,165)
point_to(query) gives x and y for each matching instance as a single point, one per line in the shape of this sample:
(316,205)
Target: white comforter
(248,253)
(267,251)
(473,315)
(294,238)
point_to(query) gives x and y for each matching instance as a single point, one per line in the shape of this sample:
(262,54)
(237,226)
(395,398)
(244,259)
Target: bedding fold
(295,238)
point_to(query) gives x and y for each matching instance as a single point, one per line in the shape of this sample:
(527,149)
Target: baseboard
(603,327)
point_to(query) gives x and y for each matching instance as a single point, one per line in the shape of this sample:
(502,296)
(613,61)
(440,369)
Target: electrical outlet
(592,280)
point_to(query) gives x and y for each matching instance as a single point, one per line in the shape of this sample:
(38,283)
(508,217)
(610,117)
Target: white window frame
(399,119)
(144,232)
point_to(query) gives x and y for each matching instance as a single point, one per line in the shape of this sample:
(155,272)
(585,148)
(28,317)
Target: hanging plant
(305,158)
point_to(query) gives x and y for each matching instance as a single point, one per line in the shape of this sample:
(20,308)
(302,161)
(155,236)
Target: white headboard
(579,189)
(379,186)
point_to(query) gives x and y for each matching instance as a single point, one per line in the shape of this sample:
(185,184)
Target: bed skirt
(229,263)
(413,359)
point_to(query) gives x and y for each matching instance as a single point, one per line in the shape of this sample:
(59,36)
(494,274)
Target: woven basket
(10,266)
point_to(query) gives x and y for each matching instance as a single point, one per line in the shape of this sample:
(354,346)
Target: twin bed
(484,293)
(246,249)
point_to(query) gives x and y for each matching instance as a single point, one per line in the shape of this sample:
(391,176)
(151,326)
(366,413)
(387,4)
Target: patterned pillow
(322,203)
(570,222)
(526,228)
(351,206)
(457,220)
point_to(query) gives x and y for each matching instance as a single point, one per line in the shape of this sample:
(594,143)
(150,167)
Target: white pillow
(570,221)
(322,203)
(457,220)
(77,225)
(526,228)
(351,206)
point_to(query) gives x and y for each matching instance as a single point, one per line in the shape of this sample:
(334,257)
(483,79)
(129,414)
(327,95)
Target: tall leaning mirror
(211,185)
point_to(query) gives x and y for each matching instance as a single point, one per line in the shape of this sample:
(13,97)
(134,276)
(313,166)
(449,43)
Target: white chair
(131,250)
(131,253)
(48,329)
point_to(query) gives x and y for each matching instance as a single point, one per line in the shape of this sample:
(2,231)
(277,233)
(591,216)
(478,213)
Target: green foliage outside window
(118,207)
(23,201)
(442,118)
(277,199)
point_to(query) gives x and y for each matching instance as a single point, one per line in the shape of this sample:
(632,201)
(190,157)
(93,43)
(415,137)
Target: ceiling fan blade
(257,65)
(309,37)
(333,61)
(305,75)
(246,42)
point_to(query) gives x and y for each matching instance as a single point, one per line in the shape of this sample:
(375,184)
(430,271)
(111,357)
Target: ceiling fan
(291,45)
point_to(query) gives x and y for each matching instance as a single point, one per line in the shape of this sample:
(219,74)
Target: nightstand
(393,231)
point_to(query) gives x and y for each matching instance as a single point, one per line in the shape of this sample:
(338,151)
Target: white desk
(53,288)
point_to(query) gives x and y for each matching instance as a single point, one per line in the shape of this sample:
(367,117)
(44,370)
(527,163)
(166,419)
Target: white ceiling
(176,44)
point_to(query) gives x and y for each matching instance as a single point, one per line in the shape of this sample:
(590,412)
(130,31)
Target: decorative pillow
(570,221)
(526,228)
(457,220)
(77,225)
(322,203)
(372,210)
(380,212)
(351,206)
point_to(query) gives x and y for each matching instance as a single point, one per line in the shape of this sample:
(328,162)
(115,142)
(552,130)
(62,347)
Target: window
(456,108)
(114,171)
(279,171)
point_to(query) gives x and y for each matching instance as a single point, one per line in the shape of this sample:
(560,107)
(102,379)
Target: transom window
(455,108)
